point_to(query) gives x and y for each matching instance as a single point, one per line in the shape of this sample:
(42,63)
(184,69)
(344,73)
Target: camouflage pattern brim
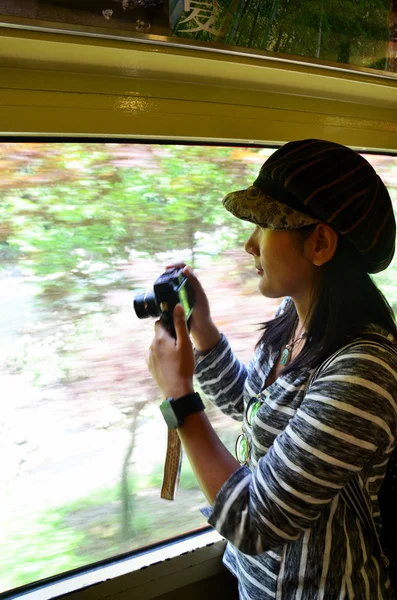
(256,206)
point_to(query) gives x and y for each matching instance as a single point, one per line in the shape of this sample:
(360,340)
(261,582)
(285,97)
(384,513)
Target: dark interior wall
(217,587)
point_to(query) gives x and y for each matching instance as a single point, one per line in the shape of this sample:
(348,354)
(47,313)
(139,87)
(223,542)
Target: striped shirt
(290,534)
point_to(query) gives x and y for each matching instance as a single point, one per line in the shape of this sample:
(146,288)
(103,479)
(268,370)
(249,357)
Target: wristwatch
(175,410)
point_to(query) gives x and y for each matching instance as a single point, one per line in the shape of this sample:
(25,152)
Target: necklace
(286,354)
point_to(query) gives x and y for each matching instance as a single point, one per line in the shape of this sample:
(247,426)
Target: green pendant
(255,409)
(285,357)
(242,449)
(252,409)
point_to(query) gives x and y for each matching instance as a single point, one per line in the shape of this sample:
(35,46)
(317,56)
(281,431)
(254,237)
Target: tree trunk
(391,57)
(278,42)
(272,16)
(229,37)
(344,52)
(320,31)
(192,244)
(243,13)
(126,495)
(251,37)
(229,26)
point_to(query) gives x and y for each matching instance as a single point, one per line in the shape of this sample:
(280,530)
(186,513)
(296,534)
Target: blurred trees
(345,31)
(70,213)
(71,217)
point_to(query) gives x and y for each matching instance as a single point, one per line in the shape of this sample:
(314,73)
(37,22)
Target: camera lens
(145,306)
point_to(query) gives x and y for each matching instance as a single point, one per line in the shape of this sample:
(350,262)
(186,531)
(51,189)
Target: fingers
(187,271)
(160,330)
(198,288)
(181,330)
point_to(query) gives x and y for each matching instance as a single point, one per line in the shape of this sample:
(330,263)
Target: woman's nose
(251,245)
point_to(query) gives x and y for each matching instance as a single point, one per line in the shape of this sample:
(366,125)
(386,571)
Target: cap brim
(254,205)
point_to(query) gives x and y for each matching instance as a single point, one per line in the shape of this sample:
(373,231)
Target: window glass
(344,32)
(84,227)
(386,167)
(349,32)
(125,16)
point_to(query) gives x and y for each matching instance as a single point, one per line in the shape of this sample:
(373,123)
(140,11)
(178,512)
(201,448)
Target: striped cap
(326,182)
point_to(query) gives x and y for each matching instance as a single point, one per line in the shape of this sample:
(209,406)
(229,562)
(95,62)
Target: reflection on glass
(135,16)
(350,32)
(84,228)
(353,33)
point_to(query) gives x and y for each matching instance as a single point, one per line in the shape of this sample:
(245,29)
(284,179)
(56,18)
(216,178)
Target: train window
(361,35)
(84,226)
(123,16)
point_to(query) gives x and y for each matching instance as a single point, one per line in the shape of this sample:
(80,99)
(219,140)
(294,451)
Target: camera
(170,289)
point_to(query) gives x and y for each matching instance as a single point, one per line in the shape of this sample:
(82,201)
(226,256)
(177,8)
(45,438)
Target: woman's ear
(321,245)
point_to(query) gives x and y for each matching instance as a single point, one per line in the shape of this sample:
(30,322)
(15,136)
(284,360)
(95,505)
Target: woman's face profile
(282,266)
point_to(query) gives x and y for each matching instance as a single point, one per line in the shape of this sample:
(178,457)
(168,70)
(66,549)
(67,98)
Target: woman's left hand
(171,362)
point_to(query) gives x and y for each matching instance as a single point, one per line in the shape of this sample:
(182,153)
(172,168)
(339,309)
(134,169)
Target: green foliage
(69,217)
(45,546)
(82,532)
(347,31)
(75,212)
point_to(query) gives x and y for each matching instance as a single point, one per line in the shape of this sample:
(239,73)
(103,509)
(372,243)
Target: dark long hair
(345,301)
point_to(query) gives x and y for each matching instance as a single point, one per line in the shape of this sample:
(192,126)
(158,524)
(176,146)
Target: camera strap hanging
(172,466)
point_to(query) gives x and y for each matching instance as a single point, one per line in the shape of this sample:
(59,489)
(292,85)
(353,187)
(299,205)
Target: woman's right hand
(202,328)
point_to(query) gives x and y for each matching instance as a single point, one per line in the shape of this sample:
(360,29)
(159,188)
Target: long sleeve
(345,425)
(221,376)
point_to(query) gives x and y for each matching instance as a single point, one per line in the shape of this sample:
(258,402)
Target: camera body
(170,289)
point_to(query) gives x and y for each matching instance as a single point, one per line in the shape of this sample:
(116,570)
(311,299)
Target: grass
(89,528)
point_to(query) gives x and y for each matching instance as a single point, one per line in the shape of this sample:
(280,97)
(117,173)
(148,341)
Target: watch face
(169,415)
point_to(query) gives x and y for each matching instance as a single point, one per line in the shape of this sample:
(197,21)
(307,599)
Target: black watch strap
(175,410)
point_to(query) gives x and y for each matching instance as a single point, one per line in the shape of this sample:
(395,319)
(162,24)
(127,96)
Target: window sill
(144,576)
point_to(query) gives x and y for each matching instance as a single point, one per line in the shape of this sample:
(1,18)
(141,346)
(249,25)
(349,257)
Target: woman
(318,401)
